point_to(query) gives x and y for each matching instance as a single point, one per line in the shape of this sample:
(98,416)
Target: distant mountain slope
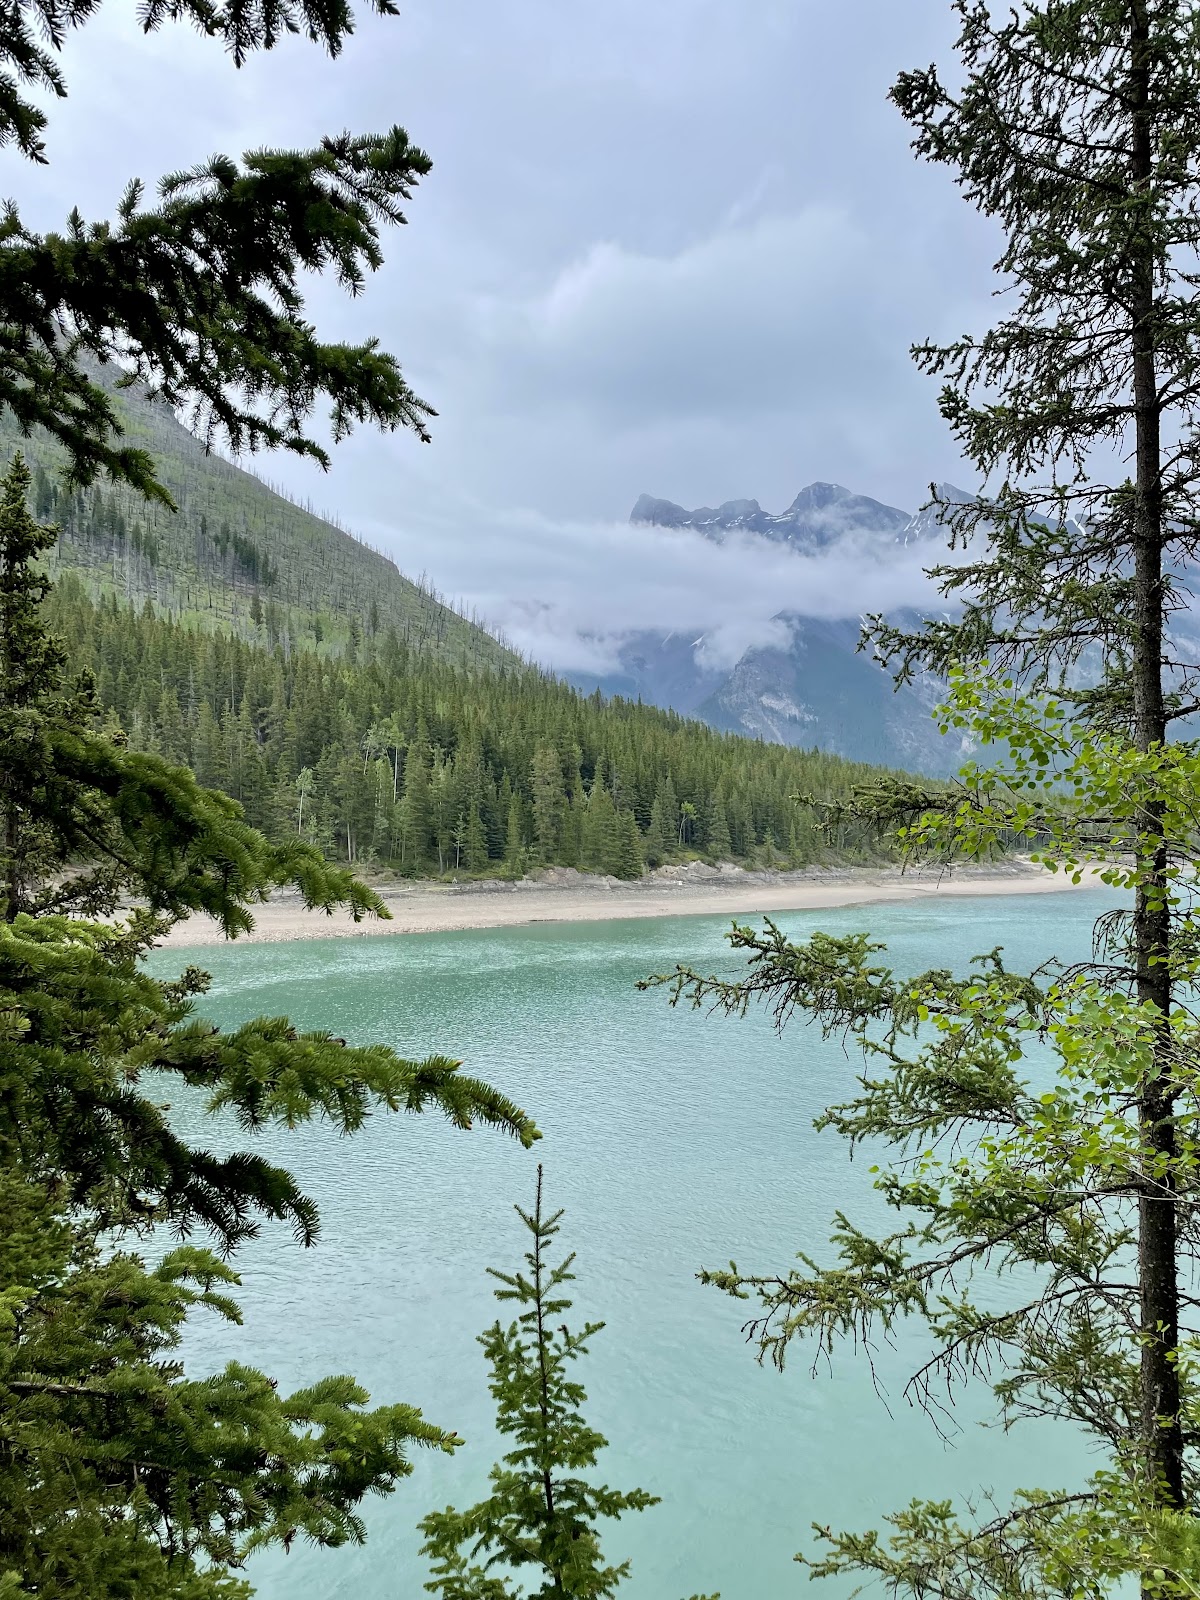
(662,669)
(821,691)
(236,554)
(817,690)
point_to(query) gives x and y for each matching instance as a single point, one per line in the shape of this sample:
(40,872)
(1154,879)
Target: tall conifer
(119,1475)
(546,786)
(1075,126)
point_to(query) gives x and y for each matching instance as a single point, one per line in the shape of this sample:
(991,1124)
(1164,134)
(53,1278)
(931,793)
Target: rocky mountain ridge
(820,515)
(815,688)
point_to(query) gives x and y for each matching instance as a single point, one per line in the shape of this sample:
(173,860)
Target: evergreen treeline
(387,755)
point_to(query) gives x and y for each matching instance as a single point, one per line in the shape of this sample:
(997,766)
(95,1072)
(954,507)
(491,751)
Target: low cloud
(746,321)
(757,357)
(753,360)
(679,249)
(566,594)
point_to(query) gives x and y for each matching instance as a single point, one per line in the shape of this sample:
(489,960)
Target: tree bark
(1157,1202)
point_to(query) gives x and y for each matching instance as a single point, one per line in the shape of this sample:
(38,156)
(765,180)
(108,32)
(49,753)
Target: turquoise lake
(673,1140)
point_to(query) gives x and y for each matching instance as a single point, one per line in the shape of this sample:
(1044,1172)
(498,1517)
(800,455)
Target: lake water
(673,1140)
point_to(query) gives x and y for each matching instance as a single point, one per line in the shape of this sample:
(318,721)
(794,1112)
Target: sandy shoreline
(563,895)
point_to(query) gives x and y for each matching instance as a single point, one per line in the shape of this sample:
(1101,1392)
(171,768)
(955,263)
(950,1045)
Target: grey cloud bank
(680,248)
(565,593)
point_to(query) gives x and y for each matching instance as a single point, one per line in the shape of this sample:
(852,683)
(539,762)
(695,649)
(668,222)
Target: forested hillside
(235,555)
(299,671)
(389,754)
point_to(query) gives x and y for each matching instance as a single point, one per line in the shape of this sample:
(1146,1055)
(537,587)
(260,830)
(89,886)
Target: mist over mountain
(802,680)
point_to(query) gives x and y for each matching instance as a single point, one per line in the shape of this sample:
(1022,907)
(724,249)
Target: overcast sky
(670,246)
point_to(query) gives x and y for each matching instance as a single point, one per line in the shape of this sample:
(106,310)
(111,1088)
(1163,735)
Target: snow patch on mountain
(821,515)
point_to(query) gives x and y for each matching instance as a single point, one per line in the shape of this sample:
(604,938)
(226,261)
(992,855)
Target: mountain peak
(737,511)
(930,521)
(952,495)
(659,513)
(817,496)
(819,515)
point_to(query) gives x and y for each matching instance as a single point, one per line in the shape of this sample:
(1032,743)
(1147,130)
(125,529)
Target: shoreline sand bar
(563,895)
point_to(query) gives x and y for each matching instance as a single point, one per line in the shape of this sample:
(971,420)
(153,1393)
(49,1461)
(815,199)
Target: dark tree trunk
(1157,1204)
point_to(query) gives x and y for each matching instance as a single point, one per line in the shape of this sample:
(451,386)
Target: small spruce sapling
(539,1524)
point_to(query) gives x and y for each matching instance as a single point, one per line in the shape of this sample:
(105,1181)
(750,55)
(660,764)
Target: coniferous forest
(297,670)
(390,756)
(209,693)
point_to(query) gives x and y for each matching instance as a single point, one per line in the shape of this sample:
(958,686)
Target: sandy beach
(564,895)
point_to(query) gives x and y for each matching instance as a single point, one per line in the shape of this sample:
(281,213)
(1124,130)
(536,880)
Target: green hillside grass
(236,556)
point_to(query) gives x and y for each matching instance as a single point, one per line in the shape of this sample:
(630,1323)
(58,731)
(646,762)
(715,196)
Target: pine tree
(171,732)
(626,860)
(471,787)
(119,1475)
(720,846)
(794,854)
(663,834)
(1096,174)
(740,821)
(201,295)
(514,846)
(540,1523)
(304,785)
(601,844)
(660,835)
(1076,128)
(475,856)
(416,813)
(547,791)
(570,845)
(382,808)
(210,754)
(443,798)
